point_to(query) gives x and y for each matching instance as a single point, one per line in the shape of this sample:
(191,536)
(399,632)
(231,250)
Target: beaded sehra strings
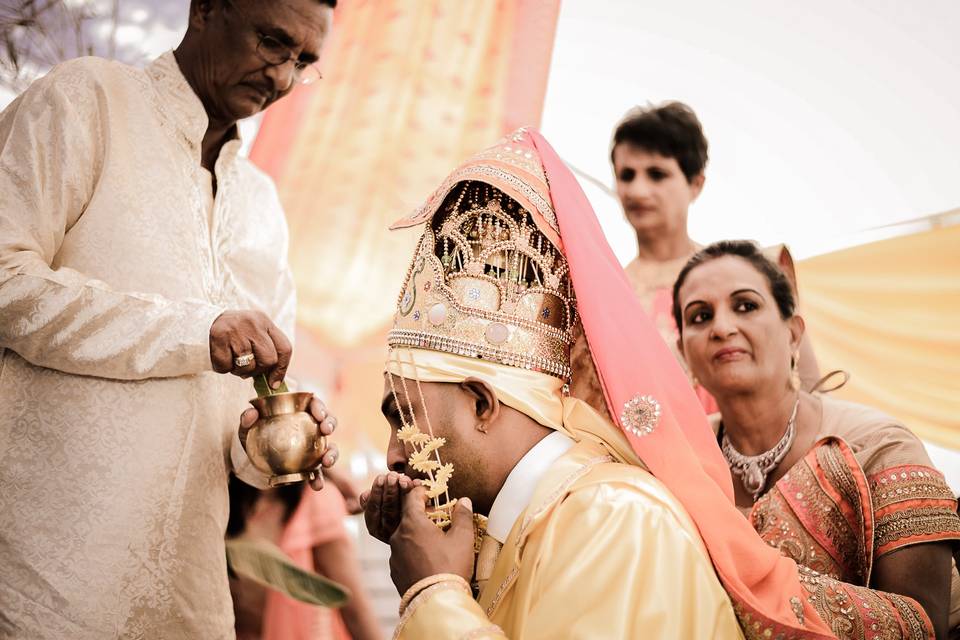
(425,456)
(486,232)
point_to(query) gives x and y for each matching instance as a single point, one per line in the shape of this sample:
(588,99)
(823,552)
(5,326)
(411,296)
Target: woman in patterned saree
(841,488)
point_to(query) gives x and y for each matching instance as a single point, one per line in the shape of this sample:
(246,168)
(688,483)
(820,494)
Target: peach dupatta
(632,362)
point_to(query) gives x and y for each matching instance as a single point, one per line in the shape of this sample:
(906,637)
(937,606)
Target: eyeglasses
(275,53)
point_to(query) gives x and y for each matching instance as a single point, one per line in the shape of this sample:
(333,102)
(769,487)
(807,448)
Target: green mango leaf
(267,565)
(263,389)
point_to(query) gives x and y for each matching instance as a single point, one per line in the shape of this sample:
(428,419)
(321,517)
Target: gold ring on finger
(243,360)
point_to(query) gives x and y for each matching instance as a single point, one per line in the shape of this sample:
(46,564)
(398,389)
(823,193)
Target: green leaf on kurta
(267,565)
(263,389)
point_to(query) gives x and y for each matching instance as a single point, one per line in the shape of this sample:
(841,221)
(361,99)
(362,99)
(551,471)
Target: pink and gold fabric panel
(410,89)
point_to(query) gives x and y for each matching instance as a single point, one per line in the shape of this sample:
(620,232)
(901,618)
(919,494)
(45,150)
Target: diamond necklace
(753,470)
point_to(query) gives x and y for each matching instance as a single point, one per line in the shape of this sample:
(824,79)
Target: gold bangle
(420,585)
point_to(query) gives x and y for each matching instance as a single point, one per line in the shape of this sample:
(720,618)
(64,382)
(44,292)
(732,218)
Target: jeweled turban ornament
(485,283)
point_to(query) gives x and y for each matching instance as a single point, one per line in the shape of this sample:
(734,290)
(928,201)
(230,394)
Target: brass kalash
(284,442)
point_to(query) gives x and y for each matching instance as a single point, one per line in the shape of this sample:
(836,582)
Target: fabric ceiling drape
(887,313)
(409,90)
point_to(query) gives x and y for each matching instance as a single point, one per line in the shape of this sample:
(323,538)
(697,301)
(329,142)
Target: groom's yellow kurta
(602,551)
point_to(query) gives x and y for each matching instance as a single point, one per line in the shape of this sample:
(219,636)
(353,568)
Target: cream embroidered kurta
(115,433)
(602,551)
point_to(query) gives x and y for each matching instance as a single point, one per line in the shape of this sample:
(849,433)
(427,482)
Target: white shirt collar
(518,488)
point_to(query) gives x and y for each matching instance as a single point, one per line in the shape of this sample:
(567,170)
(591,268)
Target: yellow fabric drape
(887,313)
(410,89)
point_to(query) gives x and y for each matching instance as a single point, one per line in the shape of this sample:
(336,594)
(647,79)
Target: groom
(575,538)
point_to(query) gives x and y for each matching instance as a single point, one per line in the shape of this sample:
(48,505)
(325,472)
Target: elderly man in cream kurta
(119,253)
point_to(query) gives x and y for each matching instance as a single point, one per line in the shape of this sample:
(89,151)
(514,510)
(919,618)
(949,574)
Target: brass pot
(285,441)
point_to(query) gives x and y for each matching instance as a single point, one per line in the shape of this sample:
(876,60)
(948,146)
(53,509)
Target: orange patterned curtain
(887,312)
(409,90)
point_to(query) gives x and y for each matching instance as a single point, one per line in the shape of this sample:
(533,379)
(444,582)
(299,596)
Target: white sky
(824,117)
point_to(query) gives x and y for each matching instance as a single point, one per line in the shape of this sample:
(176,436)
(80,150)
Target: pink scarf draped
(632,360)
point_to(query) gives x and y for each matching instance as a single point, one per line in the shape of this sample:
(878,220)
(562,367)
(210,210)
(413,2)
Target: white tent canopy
(824,118)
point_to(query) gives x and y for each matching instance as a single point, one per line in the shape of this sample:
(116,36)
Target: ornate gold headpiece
(486,283)
(488,280)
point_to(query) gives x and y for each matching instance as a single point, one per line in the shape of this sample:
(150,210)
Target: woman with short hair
(659,157)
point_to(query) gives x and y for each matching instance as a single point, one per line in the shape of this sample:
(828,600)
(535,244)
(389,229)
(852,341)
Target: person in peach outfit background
(308,527)
(659,157)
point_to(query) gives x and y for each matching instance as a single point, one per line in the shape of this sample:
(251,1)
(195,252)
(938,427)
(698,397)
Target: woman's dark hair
(670,129)
(749,251)
(243,497)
